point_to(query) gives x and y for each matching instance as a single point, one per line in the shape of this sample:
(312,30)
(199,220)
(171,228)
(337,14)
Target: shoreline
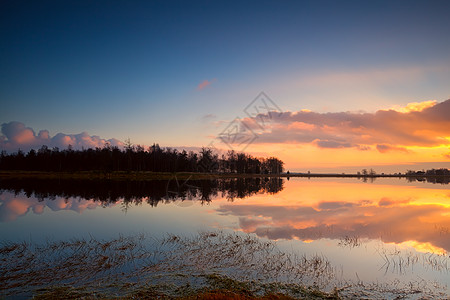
(135,175)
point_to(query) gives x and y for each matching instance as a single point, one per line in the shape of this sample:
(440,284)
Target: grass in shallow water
(207,264)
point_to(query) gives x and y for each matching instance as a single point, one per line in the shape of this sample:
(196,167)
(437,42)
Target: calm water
(387,231)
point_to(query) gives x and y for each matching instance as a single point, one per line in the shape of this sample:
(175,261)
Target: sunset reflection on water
(383,231)
(417,215)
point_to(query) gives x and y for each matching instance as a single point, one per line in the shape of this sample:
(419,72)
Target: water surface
(386,231)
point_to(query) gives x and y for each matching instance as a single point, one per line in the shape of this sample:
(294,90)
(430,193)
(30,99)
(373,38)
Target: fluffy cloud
(16,135)
(425,124)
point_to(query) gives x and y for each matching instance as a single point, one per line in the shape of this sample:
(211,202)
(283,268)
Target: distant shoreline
(133,175)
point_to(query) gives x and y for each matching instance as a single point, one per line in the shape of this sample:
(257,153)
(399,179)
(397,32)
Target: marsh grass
(350,241)
(401,261)
(207,263)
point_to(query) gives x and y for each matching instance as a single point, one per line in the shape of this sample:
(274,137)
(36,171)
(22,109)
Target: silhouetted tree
(136,158)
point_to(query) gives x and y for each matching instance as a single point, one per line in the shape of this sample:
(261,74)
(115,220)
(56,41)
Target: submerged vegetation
(172,266)
(209,263)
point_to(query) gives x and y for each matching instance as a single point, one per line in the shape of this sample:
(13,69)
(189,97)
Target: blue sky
(132,69)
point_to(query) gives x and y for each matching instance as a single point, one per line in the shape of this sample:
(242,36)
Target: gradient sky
(177,73)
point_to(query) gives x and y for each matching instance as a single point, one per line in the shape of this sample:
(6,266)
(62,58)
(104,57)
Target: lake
(384,238)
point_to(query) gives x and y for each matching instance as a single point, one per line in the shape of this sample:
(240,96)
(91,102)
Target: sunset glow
(319,208)
(293,148)
(307,140)
(352,92)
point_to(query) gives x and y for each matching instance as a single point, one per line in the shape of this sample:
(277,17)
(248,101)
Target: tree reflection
(136,192)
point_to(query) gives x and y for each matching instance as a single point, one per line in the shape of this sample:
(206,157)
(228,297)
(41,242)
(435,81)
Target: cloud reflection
(391,219)
(13,206)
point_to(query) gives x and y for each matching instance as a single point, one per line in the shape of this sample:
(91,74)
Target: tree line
(431,172)
(137,158)
(441,176)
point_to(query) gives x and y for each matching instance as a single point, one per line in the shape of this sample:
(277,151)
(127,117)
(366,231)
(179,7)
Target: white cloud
(15,136)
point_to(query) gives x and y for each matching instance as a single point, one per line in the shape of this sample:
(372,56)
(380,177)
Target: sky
(323,85)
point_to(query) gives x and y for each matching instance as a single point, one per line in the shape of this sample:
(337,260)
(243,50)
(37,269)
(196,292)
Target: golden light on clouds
(415,106)
(417,132)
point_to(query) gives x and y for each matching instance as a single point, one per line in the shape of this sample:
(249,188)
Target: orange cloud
(415,106)
(425,124)
(204,84)
(301,126)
